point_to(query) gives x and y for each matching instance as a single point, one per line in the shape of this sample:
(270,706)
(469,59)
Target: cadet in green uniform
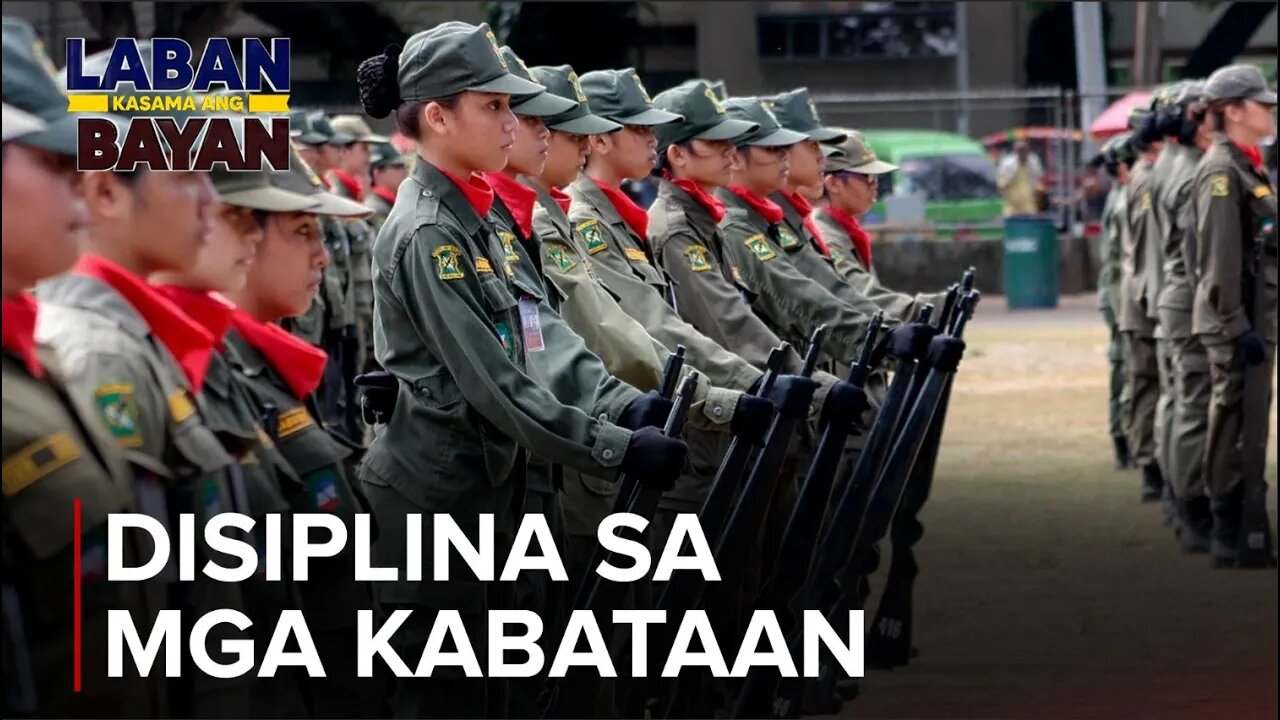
(851,184)
(338,319)
(55,450)
(1117,155)
(350,177)
(759,243)
(1235,238)
(1137,326)
(142,362)
(449,327)
(280,374)
(265,478)
(1188,420)
(387,170)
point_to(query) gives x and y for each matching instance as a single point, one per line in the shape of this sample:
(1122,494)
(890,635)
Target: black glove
(654,458)
(1253,347)
(844,404)
(752,418)
(792,394)
(648,410)
(911,340)
(378,392)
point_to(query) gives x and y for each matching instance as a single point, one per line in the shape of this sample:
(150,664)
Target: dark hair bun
(379,87)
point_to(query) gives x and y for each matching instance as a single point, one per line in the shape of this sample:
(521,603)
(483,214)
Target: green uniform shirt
(56,451)
(791,302)
(1131,314)
(622,262)
(1157,227)
(1174,202)
(114,361)
(381,209)
(447,326)
(1109,249)
(1234,204)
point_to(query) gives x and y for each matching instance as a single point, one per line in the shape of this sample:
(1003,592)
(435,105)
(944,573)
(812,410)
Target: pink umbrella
(1115,119)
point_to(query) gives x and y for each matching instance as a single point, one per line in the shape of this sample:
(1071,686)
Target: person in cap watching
(1235,232)
(58,454)
(350,177)
(448,328)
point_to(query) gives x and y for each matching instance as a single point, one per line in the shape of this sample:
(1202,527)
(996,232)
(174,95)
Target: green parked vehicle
(954,175)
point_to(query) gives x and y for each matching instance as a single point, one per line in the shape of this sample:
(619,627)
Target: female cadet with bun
(448,328)
(1234,312)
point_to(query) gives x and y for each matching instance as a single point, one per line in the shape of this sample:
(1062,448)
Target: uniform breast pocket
(503,317)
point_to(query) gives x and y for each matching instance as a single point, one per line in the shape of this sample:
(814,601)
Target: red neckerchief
(861,238)
(351,184)
(714,207)
(518,197)
(385,193)
(211,311)
(298,362)
(767,208)
(19,316)
(189,343)
(634,215)
(562,199)
(1253,154)
(805,208)
(477,192)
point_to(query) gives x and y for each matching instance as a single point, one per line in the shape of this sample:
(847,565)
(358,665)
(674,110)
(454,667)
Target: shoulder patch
(293,421)
(786,238)
(590,231)
(697,256)
(636,255)
(38,460)
(119,413)
(759,247)
(508,245)
(483,266)
(560,256)
(1146,201)
(180,406)
(448,262)
(1219,185)
(1261,191)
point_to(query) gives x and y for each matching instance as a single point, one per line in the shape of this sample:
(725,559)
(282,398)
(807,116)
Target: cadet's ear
(434,117)
(107,195)
(602,143)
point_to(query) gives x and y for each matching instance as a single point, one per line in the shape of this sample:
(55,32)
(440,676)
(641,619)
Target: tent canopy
(1115,119)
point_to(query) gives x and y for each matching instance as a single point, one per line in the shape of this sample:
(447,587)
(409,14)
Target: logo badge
(759,247)
(559,255)
(697,256)
(590,231)
(787,239)
(1219,185)
(119,413)
(448,262)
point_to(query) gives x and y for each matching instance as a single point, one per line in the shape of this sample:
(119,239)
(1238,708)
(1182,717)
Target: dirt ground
(1046,589)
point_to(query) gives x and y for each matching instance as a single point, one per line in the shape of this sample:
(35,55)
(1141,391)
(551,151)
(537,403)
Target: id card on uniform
(531,325)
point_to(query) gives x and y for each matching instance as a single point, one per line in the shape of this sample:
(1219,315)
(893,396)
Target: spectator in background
(1091,196)
(1019,178)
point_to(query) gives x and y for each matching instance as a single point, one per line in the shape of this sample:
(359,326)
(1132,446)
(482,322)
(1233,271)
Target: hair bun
(379,87)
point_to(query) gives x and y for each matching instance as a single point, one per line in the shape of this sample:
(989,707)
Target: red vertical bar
(75,531)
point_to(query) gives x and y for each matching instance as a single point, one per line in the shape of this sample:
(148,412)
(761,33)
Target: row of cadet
(1188,291)
(486,336)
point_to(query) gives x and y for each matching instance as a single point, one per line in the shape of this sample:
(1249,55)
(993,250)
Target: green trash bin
(1030,262)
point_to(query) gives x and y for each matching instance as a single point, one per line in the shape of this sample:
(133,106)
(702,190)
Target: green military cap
(456,56)
(858,157)
(538,104)
(300,130)
(319,124)
(830,151)
(1238,82)
(796,111)
(769,132)
(1120,149)
(704,115)
(18,123)
(356,128)
(620,96)
(384,155)
(253,190)
(31,85)
(562,81)
(300,179)
(1137,116)
(1191,92)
